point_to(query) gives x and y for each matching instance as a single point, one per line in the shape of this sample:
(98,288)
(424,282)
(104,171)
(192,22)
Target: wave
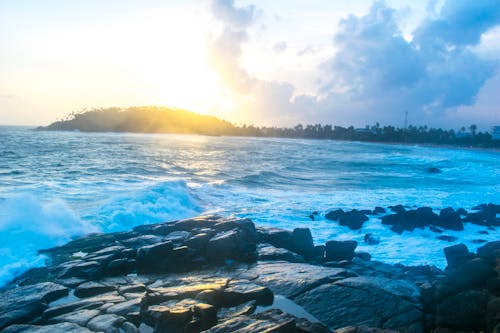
(28,222)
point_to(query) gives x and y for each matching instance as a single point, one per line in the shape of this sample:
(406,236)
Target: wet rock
(107,323)
(464,311)
(154,258)
(371,239)
(268,252)
(433,170)
(340,250)
(353,220)
(23,304)
(334,215)
(81,317)
(450,219)
(125,308)
(379,210)
(91,288)
(276,237)
(222,246)
(291,279)
(447,238)
(456,254)
(397,209)
(435,229)
(86,270)
(242,291)
(377,302)
(55,328)
(363,329)
(302,242)
(470,274)
(268,321)
(489,250)
(363,255)
(177,236)
(120,266)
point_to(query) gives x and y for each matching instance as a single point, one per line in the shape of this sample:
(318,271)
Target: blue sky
(262,62)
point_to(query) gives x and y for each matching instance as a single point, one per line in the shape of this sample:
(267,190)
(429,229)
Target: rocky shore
(216,274)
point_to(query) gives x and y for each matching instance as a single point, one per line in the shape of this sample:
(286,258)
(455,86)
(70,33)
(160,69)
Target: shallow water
(58,185)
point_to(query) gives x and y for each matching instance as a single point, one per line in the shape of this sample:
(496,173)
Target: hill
(145,119)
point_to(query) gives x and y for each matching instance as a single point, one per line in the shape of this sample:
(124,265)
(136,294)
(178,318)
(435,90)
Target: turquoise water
(58,185)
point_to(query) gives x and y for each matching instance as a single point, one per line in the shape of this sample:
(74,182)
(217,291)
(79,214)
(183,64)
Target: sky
(273,63)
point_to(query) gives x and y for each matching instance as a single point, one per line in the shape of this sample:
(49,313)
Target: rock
(80,317)
(302,242)
(456,254)
(276,237)
(289,279)
(340,250)
(433,170)
(91,288)
(55,328)
(435,229)
(464,311)
(242,291)
(363,255)
(397,209)
(450,219)
(470,274)
(479,241)
(268,252)
(371,239)
(319,251)
(334,215)
(107,323)
(353,220)
(81,269)
(222,246)
(489,250)
(363,329)
(177,236)
(22,304)
(120,266)
(379,210)
(125,308)
(268,321)
(447,238)
(378,302)
(154,258)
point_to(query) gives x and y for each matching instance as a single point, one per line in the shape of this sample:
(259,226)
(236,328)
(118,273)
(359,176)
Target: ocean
(55,186)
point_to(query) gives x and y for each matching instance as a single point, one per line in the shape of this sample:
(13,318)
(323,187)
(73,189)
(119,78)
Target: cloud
(280,47)
(235,17)
(376,73)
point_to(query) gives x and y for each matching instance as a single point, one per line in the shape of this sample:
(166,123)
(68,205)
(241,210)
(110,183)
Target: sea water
(55,186)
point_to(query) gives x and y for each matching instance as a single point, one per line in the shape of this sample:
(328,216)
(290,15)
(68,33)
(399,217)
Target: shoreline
(220,272)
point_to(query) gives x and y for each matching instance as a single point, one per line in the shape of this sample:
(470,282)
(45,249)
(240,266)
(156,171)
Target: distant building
(495,133)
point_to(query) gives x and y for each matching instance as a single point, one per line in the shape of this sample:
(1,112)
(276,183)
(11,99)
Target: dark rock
(450,219)
(198,241)
(334,215)
(242,291)
(319,251)
(177,236)
(268,252)
(91,288)
(464,311)
(154,258)
(291,279)
(222,246)
(20,305)
(479,241)
(276,237)
(489,250)
(363,255)
(302,242)
(456,254)
(470,274)
(377,302)
(433,170)
(269,321)
(125,308)
(379,210)
(371,239)
(483,232)
(55,328)
(462,211)
(120,266)
(397,209)
(86,270)
(340,250)
(447,238)
(353,220)
(435,229)
(363,329)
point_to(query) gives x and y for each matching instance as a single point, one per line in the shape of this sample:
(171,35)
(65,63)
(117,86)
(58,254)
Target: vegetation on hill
(152,119)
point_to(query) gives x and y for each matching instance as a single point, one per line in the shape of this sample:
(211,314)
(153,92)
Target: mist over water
(58,185)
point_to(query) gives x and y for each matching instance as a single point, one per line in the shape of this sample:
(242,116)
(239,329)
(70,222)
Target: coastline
(219,274)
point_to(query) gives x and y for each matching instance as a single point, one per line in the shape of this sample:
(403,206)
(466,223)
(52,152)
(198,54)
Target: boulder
(334,215)
(471,274)
(92,288)
(154,258)
(397,209)
(268,252)
(456,254)
(465,311)
(222,246)
(450,219)
(371,239)
(302,242)
(340,250)
(276,237)
(378,210)
(489,250)
(353,220)
(242,291)
(447,238)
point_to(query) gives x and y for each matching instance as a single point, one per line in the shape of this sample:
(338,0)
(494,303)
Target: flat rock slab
(380,302)
(292,279)
(56,328)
